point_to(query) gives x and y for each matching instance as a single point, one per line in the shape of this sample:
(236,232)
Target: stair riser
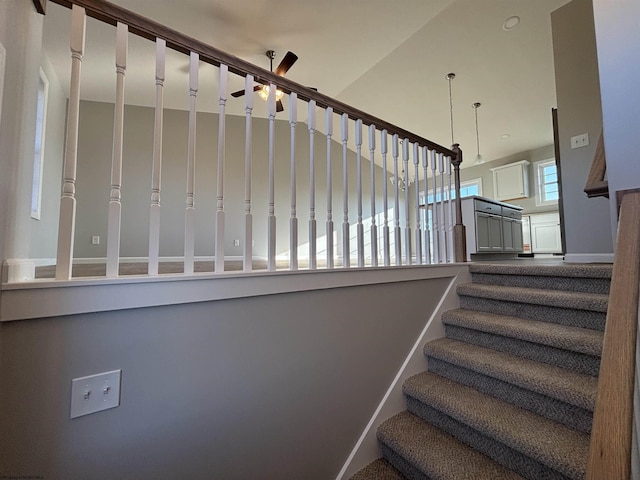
(557,410)
(578,362)
(585,285)
(541,313)
(526,466)
(401,464)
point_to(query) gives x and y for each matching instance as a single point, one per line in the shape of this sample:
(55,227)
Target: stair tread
(574,388)
(571,300)
(378,470)
(436,453)
(549,442)
(576,339)
(586,270)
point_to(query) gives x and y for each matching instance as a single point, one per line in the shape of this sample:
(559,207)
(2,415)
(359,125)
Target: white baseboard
(588,258)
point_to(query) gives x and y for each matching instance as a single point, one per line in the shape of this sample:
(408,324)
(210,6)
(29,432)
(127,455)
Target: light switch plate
(580,141)
(95,393)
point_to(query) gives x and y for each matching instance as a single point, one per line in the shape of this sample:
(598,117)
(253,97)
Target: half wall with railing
(307,187)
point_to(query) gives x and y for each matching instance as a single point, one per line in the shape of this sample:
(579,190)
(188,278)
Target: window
(38,156)
(548,191)
(468,188)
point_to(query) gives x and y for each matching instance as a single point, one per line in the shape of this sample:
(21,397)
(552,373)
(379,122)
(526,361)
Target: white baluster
(346,249)
(407,211)
(416,173)
(434,214)
(293,221)
(271,219)
(156,171)
(190,213)
(449,217)
(427,228)
(115,204)
(222,122)
(442,241)
(360,227)
(329,228)
(67,222)
(248,218)
(385,200)
(396,195)
(312,187)
(372,165)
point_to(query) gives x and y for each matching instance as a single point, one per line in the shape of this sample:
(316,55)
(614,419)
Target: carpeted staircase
(509,392)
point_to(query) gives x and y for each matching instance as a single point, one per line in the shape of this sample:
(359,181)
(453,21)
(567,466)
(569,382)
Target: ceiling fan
(263,90)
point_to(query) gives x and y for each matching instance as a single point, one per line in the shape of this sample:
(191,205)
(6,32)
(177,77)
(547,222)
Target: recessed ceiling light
(511,23)
(505,136)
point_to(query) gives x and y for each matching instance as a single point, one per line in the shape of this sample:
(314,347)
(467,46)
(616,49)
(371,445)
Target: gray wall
(579,111)
(273,387)
(94,166)
(484,171)
(44,232)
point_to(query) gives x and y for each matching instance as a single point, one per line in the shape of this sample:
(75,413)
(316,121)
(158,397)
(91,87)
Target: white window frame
(467,183)
(38,157)
(540,195)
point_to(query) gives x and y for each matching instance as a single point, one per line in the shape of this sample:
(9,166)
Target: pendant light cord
(477,134)
(450,77)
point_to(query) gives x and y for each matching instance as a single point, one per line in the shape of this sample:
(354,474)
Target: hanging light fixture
(450,77)
(479,159)
(403,181)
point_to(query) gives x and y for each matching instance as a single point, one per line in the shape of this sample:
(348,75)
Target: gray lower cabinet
(488,232)
(512,235)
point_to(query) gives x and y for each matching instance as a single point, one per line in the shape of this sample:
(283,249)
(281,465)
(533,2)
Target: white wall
(617,38)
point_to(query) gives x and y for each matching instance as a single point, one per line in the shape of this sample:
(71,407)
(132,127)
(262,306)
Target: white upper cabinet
(511,181)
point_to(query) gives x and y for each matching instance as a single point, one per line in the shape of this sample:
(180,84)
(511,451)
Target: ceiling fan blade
(289,59)
(279,106)
(239,93)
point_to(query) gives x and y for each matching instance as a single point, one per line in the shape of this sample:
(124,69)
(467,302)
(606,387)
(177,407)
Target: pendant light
(450,77)
(479,159)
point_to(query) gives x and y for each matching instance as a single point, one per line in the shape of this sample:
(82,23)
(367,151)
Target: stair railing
(610,450)
(443,242)
(597,184)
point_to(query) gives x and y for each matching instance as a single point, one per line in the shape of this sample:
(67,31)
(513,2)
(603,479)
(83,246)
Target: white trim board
(588,257)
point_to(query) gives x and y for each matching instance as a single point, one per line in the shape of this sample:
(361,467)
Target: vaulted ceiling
(388,58)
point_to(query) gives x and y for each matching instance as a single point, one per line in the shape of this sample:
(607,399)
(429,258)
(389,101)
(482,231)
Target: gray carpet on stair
(543,441)
(575,339)
(577,362)
(579,271)
(381,469)
(586,285)
(553,409)
(435,454)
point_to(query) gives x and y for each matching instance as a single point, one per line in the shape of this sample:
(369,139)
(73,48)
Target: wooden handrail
(610,448)
(109,13)
(41,6)
(597,185)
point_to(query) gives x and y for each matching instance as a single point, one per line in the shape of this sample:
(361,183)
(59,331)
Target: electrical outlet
(95,393)
(236,243)
(580,141)
(95,240)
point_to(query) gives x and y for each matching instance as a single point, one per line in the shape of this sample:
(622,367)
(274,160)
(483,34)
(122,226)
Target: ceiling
(388,58)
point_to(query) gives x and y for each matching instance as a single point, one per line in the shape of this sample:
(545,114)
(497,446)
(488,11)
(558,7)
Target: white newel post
(115,203)
(360,227)
(190,213)
(156,169)
(416,172)
(329,129)
(293,222)
(346,249)
(449,217)
(248,220)
(222,122)
(313,262)
(66,225)
(397,235)
(372,165)
(271,219)
(427,228)
(385,199)
(442,242)
(407,211)
(434,214)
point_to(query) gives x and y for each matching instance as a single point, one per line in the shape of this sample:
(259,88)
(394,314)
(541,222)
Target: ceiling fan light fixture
(264,93)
